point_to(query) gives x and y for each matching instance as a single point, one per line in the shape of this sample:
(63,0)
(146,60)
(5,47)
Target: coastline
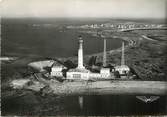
(142,54)
(130,43)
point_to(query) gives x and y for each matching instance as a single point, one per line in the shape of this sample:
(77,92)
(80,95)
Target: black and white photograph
(83,57)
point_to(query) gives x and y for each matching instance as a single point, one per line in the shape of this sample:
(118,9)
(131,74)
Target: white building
(94,75)
(105,73)
(56,70)
(123,69)
(78,74)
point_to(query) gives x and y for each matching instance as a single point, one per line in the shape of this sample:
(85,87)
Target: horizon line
(28,17)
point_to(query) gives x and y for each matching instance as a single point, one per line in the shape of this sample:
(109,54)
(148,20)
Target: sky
(84,8)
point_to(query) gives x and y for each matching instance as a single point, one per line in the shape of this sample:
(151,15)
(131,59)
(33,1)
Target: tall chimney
(104,54)
(122,58)
(80,53)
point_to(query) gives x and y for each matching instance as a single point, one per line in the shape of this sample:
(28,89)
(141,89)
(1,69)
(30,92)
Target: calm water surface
(31,104)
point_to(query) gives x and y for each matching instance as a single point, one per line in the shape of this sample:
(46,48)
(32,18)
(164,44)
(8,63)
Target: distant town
(118,26)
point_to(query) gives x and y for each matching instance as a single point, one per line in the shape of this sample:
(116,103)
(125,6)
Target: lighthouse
(80,54)
(80,72)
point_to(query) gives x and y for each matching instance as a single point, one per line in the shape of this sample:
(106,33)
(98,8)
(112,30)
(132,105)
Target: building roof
(57,64)
(122,67)
(79,70)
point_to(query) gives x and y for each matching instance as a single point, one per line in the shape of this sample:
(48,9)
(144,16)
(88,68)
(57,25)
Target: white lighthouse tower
(80,54)
(80,72)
